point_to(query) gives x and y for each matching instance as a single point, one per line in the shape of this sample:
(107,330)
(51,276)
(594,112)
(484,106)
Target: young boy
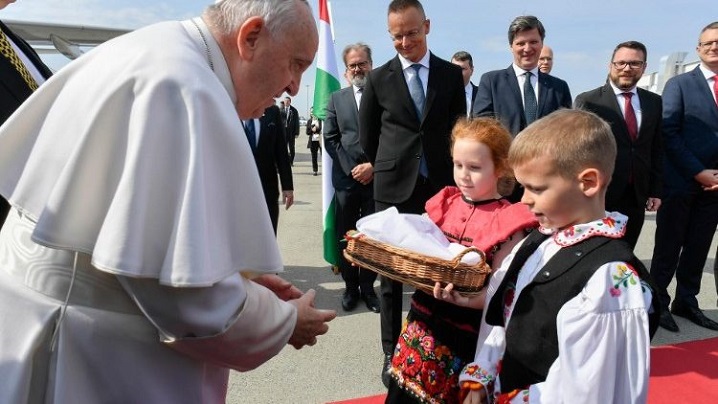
(571,314)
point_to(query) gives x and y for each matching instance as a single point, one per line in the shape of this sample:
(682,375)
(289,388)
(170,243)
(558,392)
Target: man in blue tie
(407,111)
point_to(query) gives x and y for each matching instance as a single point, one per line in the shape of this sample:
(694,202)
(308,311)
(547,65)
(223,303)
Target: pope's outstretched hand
(311,322)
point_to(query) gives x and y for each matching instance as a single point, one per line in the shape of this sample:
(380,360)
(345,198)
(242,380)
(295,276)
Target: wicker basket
(420,271)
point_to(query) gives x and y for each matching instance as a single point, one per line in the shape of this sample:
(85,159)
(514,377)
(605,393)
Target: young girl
(439,337)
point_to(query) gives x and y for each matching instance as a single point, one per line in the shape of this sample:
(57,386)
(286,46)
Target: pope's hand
(311,322)
(281,287)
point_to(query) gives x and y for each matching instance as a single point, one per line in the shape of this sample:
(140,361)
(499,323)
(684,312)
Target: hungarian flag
(327,81)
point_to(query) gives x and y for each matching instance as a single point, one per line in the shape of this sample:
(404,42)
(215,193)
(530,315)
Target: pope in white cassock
(137,262)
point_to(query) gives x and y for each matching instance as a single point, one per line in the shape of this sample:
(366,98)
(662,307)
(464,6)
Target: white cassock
(130,167)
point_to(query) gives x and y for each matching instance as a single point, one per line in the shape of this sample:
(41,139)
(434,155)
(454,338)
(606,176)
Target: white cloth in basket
(413,232)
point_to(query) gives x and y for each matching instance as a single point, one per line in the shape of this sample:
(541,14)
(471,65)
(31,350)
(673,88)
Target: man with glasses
(687,220)
(352,173)
(520,94)
(635,118)
(407,111)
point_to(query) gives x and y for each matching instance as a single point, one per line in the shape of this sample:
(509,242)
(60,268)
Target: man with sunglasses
(635,118)
(407,111)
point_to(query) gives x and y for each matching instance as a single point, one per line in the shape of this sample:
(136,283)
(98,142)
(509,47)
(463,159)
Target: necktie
(8,52)
(416,89)
(530,105)
(251,134)
(630,117)
(715,88)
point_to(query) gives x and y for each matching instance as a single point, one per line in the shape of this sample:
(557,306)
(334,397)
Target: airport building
(669,66)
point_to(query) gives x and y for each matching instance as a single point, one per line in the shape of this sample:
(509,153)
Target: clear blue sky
(582,33)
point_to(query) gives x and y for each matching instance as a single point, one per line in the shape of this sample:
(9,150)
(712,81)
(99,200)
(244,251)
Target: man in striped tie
(21,71)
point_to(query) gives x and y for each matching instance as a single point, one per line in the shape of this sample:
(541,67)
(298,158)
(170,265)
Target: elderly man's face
(546,60)
(270,66)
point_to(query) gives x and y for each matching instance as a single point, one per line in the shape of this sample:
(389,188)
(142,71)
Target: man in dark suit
(503,93)
(352,173)
(272,158)
(290,116)
(635,118)
(407,111)
(464,60)
(17,79)
(687,220)
(510,94)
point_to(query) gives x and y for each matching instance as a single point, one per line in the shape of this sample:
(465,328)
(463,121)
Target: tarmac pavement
(346,362)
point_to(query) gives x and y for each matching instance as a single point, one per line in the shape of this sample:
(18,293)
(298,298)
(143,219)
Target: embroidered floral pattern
(625,276)
(612,226)
(473,372)
(424,366)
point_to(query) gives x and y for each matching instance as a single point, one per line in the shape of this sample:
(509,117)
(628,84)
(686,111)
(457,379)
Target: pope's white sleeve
(235,323)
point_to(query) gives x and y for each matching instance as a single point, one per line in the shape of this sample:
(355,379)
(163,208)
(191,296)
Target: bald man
(546,60)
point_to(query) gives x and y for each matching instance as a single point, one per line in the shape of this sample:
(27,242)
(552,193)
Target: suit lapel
(402,86)
(545,92)
(432,85)
(648,109)
(704,91)
(515,91)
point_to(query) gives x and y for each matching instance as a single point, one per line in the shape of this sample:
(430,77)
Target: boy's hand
(476,397)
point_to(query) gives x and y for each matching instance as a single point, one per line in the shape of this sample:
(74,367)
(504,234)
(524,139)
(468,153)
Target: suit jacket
(394,138)
(474,91)
(13,89)
(690,130)
(499,96)
(341,138)
(271,155)
(641,160)
(291,123)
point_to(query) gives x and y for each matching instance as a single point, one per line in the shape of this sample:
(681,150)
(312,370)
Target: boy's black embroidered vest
(531,337)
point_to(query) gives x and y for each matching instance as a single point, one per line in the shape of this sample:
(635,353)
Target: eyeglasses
(411,35)
(707,44)
(361,65)
(634,64)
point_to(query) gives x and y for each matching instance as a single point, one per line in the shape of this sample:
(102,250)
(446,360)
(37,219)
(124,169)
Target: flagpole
(326,82)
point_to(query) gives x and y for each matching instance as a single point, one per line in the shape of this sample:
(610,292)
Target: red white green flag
(327,81)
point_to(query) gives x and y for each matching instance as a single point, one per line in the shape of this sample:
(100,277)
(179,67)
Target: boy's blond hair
(572,139)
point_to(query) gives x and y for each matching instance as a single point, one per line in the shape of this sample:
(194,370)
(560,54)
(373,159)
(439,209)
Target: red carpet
(684,373)
(681,373)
